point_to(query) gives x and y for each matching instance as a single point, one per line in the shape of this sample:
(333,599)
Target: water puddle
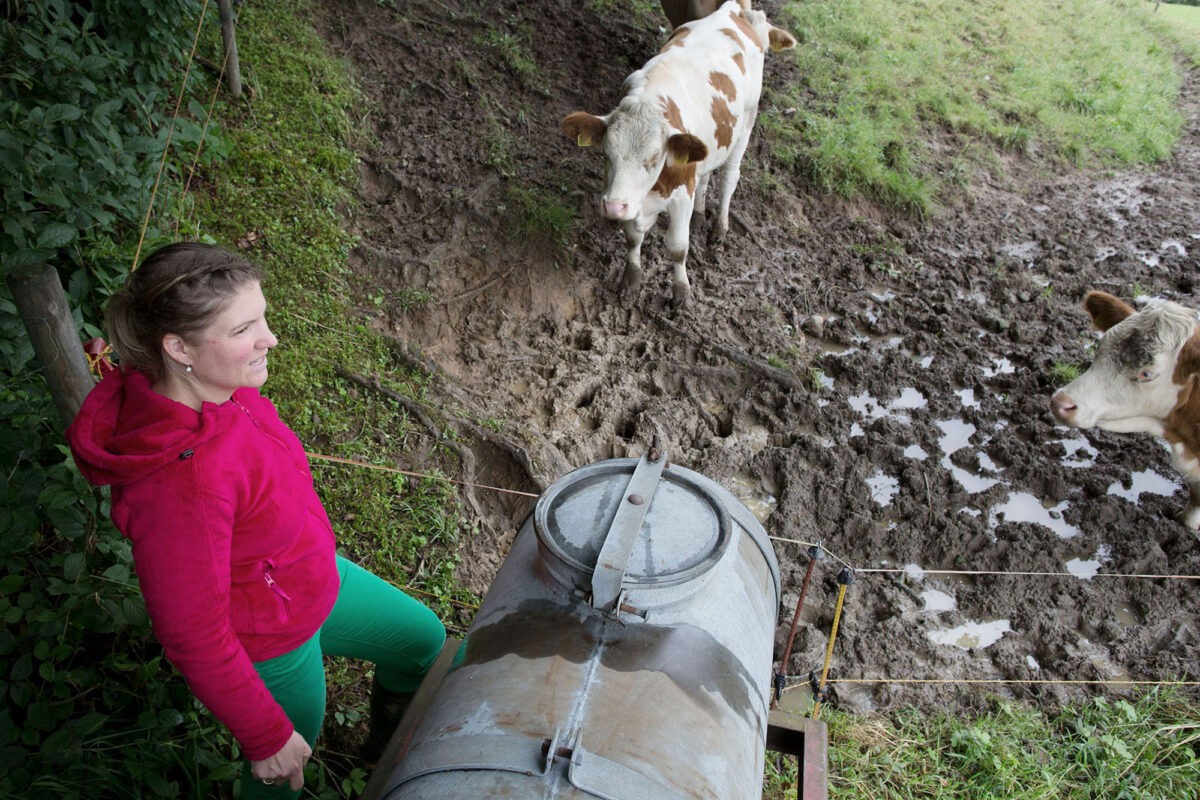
(1025,252)
(835,348)
(957,435)
(1024,507)
(867,406)
(937,601)
(1033,663)
(977,635)
(1121,198)
(1087,453)
(760,502)
(1000,366)
(1149,259)
(1145,482)
(888,341)
(1088,568)
(967,398)
(915,452)
(1173,244)
(883,487)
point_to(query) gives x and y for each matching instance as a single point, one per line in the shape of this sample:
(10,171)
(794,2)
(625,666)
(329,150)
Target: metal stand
(807,740)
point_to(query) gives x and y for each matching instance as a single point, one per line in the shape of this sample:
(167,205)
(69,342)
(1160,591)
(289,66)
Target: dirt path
(868,381)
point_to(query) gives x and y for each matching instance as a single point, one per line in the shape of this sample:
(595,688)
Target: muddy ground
(862,378)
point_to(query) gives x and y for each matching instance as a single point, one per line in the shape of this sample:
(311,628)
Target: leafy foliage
(90,708)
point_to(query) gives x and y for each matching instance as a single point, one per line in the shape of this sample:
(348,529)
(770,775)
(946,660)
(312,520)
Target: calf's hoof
(716,237)
(631,284)
(679,295)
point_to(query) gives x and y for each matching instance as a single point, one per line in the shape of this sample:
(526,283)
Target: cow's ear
(1105,309)
(683,148)
(584,128)
(781,39)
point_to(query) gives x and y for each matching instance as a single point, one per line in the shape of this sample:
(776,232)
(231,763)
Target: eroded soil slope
(867,380)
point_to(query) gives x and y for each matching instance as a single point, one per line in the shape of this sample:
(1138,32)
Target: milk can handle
(623,533)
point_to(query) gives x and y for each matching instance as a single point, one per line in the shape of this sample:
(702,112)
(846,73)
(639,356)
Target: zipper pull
(267,566)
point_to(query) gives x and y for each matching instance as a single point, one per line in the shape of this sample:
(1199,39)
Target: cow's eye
(1146,375)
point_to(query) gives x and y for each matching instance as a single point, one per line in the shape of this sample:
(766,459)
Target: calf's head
(1142,372)
(642,153)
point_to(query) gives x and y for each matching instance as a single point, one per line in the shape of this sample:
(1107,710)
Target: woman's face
(232,351)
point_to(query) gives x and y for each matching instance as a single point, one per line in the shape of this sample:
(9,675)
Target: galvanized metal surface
(550,697)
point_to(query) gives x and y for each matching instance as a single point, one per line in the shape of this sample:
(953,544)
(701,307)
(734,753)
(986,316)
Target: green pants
(372,620)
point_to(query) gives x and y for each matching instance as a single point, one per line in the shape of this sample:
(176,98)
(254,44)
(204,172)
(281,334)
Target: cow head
(639,146)
(1138,373)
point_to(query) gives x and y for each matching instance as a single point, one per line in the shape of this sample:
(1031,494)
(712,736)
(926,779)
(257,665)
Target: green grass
(1075,81)
(1184,19)
(1144,748)
(289,179)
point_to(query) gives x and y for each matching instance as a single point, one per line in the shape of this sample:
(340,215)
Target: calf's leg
(731,173)
(676,243)
(635,232)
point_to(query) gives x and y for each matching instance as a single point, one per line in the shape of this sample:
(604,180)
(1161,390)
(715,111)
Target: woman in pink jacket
(233,549)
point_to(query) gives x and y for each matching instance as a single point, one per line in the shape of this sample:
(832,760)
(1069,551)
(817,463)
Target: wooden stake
(39,296)
(232,70)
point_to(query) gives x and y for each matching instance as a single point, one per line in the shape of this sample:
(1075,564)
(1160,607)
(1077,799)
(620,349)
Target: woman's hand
(287,764)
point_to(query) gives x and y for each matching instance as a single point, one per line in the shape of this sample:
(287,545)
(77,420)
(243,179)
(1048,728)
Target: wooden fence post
(39,296)
(232,70)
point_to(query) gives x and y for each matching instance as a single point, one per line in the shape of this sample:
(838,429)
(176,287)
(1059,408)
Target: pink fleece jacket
(232,546)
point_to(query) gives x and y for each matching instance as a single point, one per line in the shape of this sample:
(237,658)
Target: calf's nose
(1062,407)
(615,209)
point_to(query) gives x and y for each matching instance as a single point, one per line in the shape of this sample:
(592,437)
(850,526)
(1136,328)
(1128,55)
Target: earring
(189,368)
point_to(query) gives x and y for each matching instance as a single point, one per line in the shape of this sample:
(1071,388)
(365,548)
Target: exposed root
(781,376)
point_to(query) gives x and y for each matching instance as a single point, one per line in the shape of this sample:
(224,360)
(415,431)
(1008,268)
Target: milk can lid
(684,533)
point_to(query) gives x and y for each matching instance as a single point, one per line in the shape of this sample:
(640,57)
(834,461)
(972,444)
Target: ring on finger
(268,781)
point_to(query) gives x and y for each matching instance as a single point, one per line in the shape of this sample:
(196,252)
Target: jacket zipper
(284,601)
(254,421)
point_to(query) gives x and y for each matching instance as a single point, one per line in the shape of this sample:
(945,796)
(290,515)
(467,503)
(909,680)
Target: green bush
(86,98)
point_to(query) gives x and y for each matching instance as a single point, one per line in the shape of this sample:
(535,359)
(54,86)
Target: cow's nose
(614,209)
(1062,407)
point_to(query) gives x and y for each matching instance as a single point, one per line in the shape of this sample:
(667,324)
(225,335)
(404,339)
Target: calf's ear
(781,39)
(1105,309)
(584,128)
(684,148)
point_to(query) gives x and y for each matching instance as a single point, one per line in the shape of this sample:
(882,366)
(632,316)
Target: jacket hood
(125,430)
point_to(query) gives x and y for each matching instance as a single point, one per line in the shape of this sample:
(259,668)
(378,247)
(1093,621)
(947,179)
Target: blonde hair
(178,289)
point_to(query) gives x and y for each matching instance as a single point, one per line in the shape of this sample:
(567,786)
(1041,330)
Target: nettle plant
(88,706)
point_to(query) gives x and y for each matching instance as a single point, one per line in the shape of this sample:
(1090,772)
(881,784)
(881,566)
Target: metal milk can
(622,652)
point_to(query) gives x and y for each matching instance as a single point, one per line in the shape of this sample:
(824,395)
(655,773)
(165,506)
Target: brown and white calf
(1145,379)
(686,113)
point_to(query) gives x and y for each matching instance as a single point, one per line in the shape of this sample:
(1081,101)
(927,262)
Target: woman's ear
(176,349)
